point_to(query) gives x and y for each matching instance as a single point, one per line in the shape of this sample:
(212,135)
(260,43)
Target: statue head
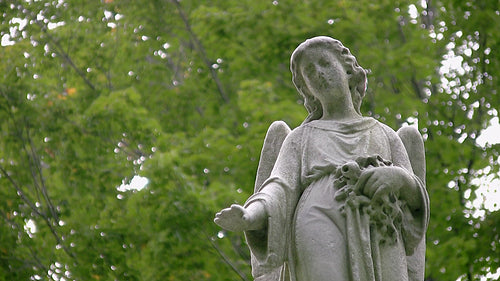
(356,75)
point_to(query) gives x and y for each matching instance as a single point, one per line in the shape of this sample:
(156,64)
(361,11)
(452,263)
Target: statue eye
(323,63)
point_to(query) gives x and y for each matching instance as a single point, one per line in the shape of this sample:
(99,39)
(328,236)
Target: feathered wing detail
(414,145)
(275,136)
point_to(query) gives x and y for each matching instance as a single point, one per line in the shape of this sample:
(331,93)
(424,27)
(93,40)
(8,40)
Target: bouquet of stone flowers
(371,224)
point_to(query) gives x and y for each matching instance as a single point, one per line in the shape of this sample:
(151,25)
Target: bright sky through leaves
(187,90)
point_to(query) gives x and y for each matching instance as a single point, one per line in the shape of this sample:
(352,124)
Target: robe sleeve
(279,195)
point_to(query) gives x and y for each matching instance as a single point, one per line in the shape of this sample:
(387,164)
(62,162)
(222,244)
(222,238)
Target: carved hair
(357,77)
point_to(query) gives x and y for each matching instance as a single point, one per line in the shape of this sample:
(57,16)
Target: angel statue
(342,196)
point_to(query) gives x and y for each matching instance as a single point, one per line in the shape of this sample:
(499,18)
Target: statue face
(324,75)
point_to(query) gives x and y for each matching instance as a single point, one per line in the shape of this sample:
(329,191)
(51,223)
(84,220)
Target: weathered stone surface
(341,197)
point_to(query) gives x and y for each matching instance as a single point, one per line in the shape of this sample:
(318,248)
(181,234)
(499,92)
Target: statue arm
(414,146)
(408,152)
(278,194)
(404,177)
(278,176)
(238,218)
(279,163)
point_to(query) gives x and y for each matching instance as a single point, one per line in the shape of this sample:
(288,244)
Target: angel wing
(273,141)
(414,145)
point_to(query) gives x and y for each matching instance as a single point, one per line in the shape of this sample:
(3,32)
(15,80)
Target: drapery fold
(320,150)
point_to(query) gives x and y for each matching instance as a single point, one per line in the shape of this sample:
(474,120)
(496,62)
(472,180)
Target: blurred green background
(125,125)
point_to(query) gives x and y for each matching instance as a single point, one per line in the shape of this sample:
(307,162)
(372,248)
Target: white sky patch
(30,227)
(487,193)
(451,62)
(16,26)
(52,25)
(492,276)
(137,183)
(489,276)
(488,184)
(22,22)
(412,11)
(57,271)
(108,15)
(412,122)
(6,40)
(490,135)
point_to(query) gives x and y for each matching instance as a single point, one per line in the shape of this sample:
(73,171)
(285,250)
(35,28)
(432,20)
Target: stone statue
(342,196)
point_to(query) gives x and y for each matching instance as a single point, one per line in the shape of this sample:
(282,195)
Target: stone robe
(307,236)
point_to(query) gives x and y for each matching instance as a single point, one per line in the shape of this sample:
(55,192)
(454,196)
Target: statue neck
(339,108)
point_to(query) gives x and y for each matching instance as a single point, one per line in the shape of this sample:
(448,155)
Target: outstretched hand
(237,218)
(234,218)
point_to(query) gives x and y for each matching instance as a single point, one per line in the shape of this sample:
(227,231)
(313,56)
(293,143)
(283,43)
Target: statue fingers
(229,213)
(385,191)
(363,178)
(237,208)
(366,182)
(373,185)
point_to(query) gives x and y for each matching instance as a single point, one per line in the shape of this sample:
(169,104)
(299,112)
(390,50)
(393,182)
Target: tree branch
(34,163)
(20,193)
(37,261)
(227,260)
(201,50)
(35,160)
(58,47)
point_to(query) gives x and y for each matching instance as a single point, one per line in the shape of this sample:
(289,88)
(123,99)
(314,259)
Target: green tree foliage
(95,93)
